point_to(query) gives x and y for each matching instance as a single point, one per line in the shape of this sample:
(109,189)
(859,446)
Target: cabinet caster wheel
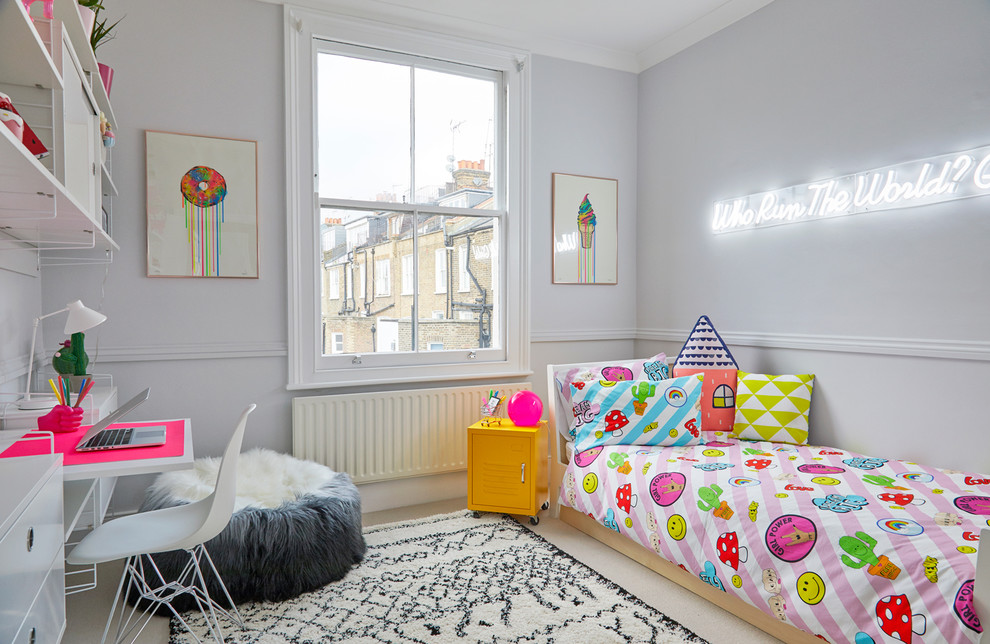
(545,506)
(476,514)
(534,520)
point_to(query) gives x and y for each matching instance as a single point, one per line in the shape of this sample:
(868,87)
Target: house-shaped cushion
(704,352)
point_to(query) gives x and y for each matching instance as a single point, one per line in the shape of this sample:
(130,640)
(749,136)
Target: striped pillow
(637,412)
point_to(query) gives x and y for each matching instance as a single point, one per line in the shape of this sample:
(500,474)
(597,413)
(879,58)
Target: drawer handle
(522,477)
(30,539)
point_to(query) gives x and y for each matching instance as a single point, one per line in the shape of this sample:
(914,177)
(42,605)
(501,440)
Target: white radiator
(391,435)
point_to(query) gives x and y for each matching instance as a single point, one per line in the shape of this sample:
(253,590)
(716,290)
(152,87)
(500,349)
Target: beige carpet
(87,611)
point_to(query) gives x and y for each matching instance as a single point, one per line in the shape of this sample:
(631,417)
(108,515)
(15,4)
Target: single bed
(804,542)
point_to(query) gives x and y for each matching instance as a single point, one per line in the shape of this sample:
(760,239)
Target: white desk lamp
(80,319)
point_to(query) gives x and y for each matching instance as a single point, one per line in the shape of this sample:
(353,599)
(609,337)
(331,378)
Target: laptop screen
(115,415)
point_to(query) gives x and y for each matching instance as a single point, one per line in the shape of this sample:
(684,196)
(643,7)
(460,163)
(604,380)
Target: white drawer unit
(32,561)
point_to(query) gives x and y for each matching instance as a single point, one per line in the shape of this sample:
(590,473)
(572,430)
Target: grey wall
(208,347)
(801,91)
(795,92)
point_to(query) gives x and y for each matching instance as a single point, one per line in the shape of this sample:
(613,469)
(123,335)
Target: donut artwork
(203,186)
(202,209)
(203,191)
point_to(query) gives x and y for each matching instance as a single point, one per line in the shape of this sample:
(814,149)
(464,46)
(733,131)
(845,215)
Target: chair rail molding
(911,347)
(583,335)
(200,351)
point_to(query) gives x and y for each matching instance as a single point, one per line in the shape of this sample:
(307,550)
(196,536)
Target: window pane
(360,255)
(363,128)
(455,130)
(449,317)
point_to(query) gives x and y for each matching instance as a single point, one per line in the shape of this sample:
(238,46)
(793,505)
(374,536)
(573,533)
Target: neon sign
(916,183)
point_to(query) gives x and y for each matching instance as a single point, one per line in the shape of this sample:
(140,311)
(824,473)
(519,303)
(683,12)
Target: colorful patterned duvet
(849,547)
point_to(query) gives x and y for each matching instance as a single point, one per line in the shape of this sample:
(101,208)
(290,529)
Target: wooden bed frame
(646,557)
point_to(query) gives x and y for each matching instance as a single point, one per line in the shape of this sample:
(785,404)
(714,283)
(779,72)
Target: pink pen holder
(61,418)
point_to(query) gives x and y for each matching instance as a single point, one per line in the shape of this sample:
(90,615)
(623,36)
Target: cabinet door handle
(30,539)
(522,475)
(33,637)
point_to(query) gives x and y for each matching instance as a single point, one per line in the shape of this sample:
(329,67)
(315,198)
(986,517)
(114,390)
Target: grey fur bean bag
(296,526)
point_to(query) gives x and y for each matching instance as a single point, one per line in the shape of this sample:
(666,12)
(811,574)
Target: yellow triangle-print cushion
(773,408)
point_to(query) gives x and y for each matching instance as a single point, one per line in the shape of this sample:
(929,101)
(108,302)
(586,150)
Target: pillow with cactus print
(637,412)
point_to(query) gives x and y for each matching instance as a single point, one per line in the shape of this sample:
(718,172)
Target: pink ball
(525,409)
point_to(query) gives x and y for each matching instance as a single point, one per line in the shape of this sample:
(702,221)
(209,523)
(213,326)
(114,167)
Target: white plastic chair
(185,527)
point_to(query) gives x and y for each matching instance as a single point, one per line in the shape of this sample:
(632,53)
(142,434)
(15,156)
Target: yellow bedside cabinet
(507,469)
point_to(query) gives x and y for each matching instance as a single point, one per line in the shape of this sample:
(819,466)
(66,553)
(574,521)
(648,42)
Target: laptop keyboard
(109,438)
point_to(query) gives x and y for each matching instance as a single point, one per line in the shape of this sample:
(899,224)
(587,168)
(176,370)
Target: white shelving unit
(55,204)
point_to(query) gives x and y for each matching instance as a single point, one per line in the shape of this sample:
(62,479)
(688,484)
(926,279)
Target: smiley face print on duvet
(637,412)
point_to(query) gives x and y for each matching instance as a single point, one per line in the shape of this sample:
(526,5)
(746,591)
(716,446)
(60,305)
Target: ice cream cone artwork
(586,223)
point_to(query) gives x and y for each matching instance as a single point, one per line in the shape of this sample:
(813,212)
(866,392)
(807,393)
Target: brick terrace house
(369,275)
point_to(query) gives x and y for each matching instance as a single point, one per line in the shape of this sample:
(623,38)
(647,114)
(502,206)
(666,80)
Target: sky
(363,120)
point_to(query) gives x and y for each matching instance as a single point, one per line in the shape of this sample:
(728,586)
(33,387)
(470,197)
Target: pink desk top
(65,443)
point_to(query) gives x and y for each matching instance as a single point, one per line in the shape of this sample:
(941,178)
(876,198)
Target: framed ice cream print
(202,206)
(585,229)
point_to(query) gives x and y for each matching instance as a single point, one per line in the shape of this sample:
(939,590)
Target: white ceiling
(631,35)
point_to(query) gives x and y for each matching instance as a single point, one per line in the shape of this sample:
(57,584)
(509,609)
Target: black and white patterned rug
(452,577)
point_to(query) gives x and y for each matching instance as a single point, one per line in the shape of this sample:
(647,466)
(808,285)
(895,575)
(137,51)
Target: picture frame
(202,206)
(585,229)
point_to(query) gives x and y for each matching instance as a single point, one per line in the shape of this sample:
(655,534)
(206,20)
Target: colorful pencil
(82,393)
(58,396)
(79,395)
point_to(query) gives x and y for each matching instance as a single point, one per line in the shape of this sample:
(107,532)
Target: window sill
(411,379)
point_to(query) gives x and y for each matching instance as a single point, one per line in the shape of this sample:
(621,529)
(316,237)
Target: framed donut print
(202,206)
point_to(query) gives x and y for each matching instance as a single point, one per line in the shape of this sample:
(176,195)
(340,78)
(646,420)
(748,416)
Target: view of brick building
(370,275)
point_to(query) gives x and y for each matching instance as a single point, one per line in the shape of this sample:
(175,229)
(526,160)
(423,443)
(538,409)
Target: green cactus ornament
(71,359)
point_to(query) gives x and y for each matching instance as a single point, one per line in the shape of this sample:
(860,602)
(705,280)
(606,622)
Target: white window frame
(308,31)
(383,277)
(336,342)
(408,275)
(362,279)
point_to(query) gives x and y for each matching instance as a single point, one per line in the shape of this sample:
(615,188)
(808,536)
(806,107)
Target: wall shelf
(56,204)
(26,60)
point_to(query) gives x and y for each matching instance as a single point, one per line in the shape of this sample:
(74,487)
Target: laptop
(98,437)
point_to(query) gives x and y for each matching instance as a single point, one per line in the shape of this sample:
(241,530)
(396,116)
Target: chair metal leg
(143,580)
(233,615)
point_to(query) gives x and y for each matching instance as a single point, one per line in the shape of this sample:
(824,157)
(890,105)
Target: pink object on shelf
(49,11)
(106,75)
(14,122)
(28,137)
(88,17)
(65,443)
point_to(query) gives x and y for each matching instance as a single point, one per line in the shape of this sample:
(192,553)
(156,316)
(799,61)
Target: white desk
(88,487)
(42,503)
(32,560)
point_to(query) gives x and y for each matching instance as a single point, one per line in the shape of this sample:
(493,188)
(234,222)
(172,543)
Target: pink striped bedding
(844,546)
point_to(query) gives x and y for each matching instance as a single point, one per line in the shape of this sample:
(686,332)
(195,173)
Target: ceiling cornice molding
(693,33)
(537,43)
